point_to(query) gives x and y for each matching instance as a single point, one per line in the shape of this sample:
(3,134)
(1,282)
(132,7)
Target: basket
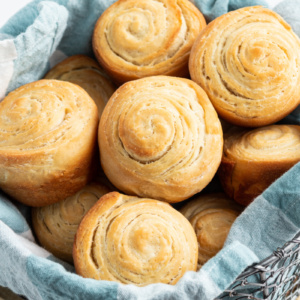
(276,277)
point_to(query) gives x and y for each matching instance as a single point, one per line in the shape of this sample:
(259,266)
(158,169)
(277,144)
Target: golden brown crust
(134,241)
(253,159)
(248,63)
(211,216)
(48,137)
(55,225)
(135,39)
(86,72)
(160,137)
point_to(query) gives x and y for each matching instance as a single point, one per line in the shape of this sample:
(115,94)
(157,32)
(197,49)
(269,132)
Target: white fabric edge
(8,53)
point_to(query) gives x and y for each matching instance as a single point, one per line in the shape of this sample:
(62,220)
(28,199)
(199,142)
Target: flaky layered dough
(134,39)
(248,63)
(47,139)
(253,159)
(160,137)
(211,216)
(134,241)
(55,225)
(84,71)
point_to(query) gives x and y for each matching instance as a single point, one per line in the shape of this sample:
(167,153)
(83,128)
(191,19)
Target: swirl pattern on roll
(248,63)
(160,137)
(253,159)
(47,140)
(56,225)
(133,39)
(134,241)
(211,216)
(84,71)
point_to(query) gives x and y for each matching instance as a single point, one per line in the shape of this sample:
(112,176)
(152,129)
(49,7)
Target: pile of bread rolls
(101,149)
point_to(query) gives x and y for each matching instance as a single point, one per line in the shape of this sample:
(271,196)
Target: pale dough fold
(134,39)
(160,137)
(55,225)
(248,62)
(47,141)
(134,241)
(211,216)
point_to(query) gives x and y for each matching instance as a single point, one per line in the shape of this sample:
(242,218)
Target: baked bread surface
(48,136)
(134,39)
(211,216)
(248,63)
(86,72)
(160,137)
(134,241)
(55,225)
(253,159)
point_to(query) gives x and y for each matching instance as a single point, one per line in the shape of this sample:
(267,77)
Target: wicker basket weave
(276,277)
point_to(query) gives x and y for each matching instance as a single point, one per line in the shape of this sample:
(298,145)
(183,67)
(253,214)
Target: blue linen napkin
(215,8)
(30,42)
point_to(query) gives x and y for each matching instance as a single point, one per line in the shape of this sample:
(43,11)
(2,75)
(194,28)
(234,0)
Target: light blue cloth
(28,43)
(215,8)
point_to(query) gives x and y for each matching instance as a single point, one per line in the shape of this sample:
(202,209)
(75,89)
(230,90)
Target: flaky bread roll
(248,62)
(55,225)
(253,159)
(160,138)
(134,39)
(134,241)
(211,216)
(47,140)
(84,71)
